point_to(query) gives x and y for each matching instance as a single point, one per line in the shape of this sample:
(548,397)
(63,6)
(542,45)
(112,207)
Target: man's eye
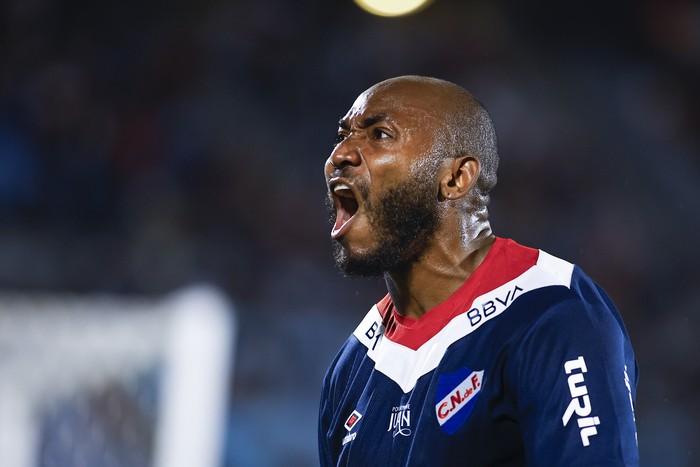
(340,137)
(378,133)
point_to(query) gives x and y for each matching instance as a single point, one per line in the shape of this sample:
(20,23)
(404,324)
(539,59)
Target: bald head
(410,174)
(466,125)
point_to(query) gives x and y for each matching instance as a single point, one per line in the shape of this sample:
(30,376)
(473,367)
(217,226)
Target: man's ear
(462,176)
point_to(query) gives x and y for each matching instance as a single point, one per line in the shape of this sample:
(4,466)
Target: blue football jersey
(528,363)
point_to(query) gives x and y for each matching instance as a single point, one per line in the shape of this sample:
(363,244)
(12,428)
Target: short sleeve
(573,377)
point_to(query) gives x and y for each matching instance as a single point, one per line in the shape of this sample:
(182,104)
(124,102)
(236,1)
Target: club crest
(456,396)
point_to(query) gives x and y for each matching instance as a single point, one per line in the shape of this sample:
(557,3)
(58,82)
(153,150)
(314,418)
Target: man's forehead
(394,106)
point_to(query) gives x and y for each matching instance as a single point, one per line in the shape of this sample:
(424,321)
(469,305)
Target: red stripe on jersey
(504,262)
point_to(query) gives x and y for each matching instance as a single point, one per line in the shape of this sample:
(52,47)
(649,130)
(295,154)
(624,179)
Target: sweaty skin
(389,133)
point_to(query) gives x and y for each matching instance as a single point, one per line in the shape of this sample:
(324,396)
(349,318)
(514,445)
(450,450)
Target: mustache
(361,190)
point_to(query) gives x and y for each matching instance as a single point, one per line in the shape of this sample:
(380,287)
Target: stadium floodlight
(392,7)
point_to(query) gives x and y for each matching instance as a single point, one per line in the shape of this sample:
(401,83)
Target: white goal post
(115,381)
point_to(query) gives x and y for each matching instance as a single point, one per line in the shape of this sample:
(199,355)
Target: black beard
(403,219)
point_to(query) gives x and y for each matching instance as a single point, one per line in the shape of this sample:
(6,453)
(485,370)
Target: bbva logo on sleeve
(456,396)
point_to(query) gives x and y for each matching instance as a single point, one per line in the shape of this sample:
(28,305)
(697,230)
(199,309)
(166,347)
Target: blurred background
(149,145)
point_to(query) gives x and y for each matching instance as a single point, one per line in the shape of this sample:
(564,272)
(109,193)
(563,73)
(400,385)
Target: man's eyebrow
(373,119)
(365,123)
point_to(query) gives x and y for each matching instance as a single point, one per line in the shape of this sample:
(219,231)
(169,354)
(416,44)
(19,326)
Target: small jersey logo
(400,420)
(456,396)
(350,423)
(580,401)
(354,417)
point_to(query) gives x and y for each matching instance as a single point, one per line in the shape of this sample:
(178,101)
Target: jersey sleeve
(324,423)
(327,445)
(574,384)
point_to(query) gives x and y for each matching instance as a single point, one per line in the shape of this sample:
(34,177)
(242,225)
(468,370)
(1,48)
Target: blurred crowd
(147,145)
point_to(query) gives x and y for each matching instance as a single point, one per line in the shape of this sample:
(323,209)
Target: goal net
(113,381)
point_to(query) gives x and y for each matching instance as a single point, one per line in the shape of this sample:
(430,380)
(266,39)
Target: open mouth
(346,206)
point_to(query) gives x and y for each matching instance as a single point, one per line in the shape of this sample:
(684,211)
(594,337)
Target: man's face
(382,183)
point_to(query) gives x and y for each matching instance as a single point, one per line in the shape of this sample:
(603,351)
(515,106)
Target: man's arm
(575,380)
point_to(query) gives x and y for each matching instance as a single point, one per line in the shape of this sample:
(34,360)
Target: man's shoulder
(552,294)
(549,270)
(369,329)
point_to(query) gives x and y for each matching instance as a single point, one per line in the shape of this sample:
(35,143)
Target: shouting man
(483,352)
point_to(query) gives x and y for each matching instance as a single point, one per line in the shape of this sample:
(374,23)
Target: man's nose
(345,153)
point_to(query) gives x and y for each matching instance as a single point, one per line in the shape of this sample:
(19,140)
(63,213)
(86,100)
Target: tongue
(342,216)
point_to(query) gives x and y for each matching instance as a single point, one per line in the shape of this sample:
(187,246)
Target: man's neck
(439,272)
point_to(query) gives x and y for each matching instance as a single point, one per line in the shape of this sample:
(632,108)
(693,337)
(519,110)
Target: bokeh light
(392,7)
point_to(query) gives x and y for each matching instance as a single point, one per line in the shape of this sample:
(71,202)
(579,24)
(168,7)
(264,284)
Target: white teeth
(340,187)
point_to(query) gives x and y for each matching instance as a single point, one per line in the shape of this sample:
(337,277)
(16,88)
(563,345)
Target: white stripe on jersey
(404,365)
